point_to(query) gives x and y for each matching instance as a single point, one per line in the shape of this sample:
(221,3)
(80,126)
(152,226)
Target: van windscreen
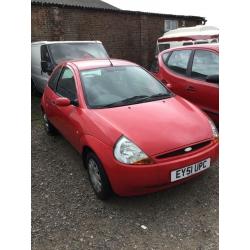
(71,51)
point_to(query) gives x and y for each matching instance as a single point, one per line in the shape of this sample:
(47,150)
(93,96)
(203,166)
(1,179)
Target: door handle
(190,89)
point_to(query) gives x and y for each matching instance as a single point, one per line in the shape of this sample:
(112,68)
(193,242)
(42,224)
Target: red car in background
(193,73)
(135,136)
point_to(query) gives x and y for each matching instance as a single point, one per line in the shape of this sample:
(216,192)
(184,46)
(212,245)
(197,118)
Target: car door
(173,70)
(204,94)
(66,118)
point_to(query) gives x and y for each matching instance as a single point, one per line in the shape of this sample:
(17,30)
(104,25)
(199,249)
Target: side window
(205,63)
(178,61)
(45,54)
(163,46)
(54,78)
(165,57)
(66,85)
(187,43)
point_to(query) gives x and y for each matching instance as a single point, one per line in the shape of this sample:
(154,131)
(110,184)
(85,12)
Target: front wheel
(49,128)
(98,177)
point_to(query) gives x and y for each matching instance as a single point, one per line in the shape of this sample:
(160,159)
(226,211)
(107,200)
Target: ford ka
(135,136)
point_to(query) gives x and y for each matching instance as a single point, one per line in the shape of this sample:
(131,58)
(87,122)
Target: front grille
(182,150)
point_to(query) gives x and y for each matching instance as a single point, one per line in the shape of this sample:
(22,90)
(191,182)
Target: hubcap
(94,174)
(46,122)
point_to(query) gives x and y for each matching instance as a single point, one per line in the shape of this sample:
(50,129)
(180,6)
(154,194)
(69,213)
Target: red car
(193,73)
(134,135)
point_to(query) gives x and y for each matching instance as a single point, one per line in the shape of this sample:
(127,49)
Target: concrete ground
(67,215)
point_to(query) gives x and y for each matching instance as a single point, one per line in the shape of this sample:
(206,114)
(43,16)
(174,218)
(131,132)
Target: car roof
(191,31)
(99,63)
(213,46)
(56,42)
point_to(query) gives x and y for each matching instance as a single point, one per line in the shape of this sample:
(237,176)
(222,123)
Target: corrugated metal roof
(97,4)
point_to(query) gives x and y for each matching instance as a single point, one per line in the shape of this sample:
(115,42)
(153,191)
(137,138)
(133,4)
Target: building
(129,35)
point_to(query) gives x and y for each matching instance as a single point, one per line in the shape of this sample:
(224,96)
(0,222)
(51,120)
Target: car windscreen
(70,51)
(119,86)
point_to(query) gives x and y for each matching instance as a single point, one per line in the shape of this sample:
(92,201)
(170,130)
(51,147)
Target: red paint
(61,101)
(205,94)
(156,127)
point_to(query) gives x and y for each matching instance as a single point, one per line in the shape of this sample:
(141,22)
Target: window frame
(59,68)
(166,61)
(63,68)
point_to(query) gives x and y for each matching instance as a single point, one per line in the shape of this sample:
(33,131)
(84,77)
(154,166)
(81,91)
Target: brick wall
(130,36)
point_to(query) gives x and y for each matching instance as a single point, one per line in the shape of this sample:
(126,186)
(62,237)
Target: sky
(176,7)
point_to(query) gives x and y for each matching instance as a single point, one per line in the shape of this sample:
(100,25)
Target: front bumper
(128,180)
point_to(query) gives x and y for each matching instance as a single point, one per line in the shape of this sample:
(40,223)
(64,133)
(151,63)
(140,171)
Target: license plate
(190,170)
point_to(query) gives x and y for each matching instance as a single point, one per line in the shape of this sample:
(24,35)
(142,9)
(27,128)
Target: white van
(46,55)
(199,34)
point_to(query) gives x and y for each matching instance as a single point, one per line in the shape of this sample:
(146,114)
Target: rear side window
(201,42)
(163,46)
(165,57)
(54,78)
(205,63)
(178,61)
(66,86)
(187,43)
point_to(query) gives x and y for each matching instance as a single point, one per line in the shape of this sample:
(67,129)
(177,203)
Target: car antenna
(110,62)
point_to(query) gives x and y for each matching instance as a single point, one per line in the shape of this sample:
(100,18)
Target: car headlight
(214,129)
(127,152)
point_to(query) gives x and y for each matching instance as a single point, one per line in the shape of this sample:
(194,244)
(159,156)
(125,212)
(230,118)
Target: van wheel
(97,176)
(34,90)
(49,128)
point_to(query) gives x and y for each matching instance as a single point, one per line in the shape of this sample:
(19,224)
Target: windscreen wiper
(130,100)
(160,95)
(137,99)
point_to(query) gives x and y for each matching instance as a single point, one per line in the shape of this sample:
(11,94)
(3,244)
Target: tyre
(34,91)
(97,176)
(49,128)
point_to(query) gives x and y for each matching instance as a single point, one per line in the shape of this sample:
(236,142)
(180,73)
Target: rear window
(70,51)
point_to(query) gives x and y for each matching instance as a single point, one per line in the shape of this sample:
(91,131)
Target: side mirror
(47,67)
(74,102)
(213,79)
(62,101)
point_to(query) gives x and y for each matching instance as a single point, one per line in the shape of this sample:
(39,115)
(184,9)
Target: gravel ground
(67,215)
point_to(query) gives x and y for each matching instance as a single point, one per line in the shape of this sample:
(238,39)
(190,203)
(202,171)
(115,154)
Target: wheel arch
(85,150)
